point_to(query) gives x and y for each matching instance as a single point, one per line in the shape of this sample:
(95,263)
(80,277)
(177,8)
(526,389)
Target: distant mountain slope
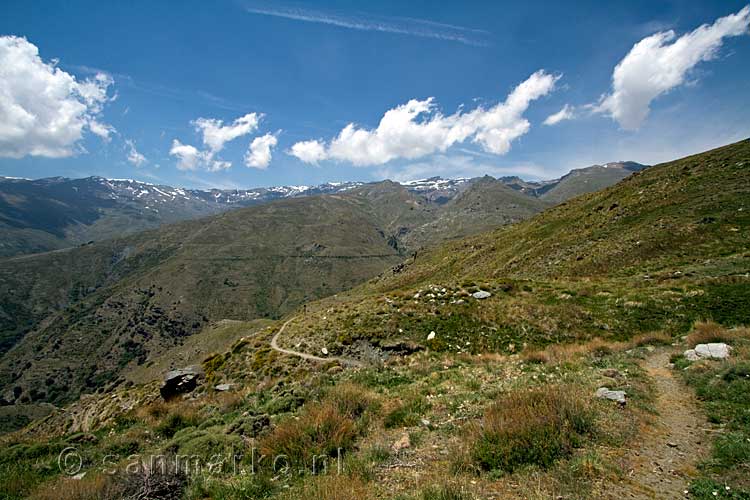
(588,180)
(576,182)
(52,213)
(84,314)
(486,203)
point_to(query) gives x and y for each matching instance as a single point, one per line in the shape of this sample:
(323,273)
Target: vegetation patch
(532,427)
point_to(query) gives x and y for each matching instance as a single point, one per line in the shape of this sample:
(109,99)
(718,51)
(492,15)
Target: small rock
(223,387)
(481,294)
(425,422)
(79,476)
(605,393)
(403,443)
(671,444)
(612,373)
(324,351)
(431,335)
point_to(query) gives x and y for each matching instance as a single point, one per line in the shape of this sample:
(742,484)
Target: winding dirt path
(303,355)
(665,457)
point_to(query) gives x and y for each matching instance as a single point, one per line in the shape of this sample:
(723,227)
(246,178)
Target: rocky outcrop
(180,381)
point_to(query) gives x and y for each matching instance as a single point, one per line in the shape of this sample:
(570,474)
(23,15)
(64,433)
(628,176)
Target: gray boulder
(481,294)
(605,393)
(180,381)
(718,350)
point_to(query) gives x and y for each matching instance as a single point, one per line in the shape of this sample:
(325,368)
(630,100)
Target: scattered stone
(612,373)
(403,443)
(324,351)
(79,476)
(605,393)
(481,294)
(671,444)
(180,381)
(223,387)
(431,335)
(718,350)
(425,422)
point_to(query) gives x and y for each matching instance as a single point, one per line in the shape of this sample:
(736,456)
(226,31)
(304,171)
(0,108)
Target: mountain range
(54,213)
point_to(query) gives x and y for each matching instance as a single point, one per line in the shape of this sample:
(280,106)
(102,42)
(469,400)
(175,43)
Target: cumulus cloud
(259,153)
(214,134)
(309,151)
(566,113)
(44,111)
(661,62)
(188,157)
(134,157)
(400,133)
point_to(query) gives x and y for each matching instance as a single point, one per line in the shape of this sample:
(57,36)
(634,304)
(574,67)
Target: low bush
(533,427)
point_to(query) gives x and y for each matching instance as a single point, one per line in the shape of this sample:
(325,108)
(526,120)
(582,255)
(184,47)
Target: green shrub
(705,489)
(407,413)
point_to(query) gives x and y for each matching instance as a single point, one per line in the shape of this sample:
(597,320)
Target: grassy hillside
(659,250)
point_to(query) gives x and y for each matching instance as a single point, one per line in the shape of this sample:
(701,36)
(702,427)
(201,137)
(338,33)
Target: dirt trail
(665,458)
(310,357)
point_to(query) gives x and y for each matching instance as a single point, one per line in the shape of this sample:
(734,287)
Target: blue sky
(288,73)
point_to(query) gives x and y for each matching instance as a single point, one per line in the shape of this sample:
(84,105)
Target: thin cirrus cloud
(660,63)
(45,111)
(400,135)
(134,157)
(214,135)
(367,22)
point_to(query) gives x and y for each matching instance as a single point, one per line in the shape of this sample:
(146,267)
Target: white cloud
(188,157)
(661,62)
(400,135)
(134,157)
(214,135)
(259,153)
(566,113)
(44,111)
(309,151)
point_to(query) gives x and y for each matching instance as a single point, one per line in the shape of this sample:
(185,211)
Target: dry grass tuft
(536,357)
(323,428)
(533,427)
(651,338)
(705,332)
